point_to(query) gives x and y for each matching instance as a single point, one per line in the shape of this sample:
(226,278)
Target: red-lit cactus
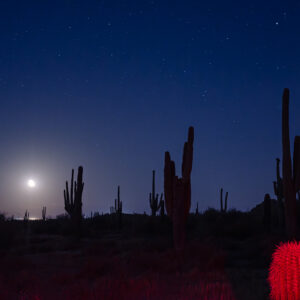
(284,275)
(178,191)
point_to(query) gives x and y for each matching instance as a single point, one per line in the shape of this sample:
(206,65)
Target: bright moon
(31,183)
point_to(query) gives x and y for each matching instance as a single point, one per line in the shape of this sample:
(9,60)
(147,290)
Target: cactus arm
(278,169)
(71,191)
(67,193)
(187,160)
(65,197)
(275,188)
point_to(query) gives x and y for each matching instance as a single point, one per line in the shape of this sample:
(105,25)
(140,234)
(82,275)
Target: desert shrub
(62,217)
(154,226)
(192,223)
(235,224)
(211,215)
(8,232)
(2,217)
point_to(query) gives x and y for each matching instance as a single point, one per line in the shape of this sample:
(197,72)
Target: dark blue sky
(112,85)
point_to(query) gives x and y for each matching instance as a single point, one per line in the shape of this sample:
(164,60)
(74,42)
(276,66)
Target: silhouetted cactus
(153,198)
(178,191)
(44,213)
(291,177)
(26,216)
(278,191)
(223,208)
(197,211)
(118,208)
(73,199)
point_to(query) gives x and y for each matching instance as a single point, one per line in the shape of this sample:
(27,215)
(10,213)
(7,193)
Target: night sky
(111,85)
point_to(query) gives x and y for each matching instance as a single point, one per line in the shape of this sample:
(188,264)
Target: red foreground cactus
(284,275)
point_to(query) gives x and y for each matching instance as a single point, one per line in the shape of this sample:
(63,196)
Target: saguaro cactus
(73,200)
(153,198)
(118,208)
(223,208)
(178,191)
(291,178)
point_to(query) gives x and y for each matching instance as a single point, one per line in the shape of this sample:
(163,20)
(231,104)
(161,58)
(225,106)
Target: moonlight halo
(31,183)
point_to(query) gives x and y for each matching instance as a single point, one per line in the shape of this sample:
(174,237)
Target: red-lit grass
(132,274)
(181,287)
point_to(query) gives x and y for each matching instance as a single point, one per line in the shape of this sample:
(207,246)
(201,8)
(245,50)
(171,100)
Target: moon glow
(31,183)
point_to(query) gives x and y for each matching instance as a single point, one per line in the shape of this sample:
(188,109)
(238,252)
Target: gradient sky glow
(111,85)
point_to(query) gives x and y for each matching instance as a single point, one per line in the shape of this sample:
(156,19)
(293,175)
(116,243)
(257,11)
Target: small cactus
(223,209)
(118,208)
(44,213)
(197,210)
(26,216)
(153,198)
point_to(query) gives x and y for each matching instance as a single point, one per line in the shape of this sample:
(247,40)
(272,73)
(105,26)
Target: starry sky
(111,85)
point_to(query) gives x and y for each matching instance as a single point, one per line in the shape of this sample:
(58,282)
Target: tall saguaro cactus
(73,199)
(291,177)
(178,191)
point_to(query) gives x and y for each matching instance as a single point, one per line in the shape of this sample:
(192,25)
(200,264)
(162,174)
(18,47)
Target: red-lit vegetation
(135,273)
(284,274)
(225,257)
